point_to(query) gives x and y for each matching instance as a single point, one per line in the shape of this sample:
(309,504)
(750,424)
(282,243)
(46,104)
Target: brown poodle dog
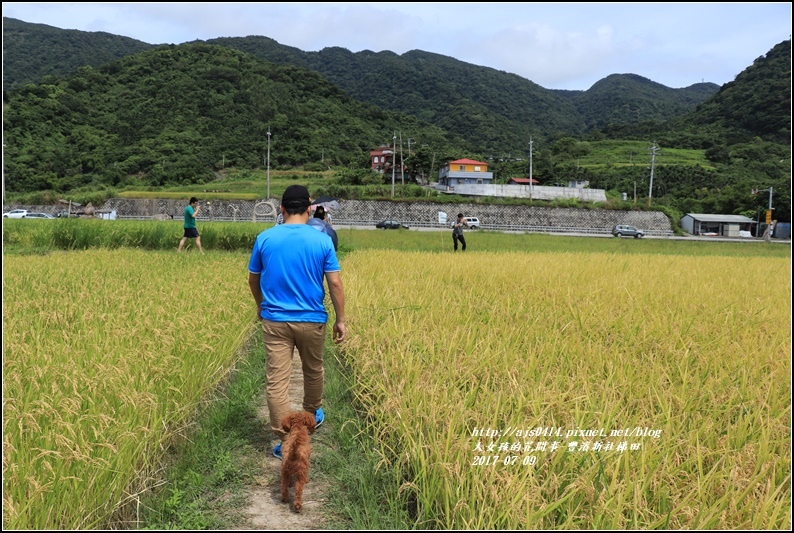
(296,450)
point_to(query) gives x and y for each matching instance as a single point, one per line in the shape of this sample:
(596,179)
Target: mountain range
(92,111)
(494,110)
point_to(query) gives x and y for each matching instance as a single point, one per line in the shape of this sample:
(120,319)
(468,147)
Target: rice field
(577,390)
(107,355)
(581,385)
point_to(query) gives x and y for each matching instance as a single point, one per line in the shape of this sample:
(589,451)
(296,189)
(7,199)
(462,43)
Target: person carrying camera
(457,232)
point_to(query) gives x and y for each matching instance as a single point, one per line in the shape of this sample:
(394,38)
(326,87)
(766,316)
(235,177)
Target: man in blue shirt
(285,274)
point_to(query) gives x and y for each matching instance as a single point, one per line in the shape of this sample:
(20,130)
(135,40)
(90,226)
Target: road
(691,238)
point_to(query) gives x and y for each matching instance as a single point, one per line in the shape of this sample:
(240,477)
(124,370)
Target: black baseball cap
(296,197)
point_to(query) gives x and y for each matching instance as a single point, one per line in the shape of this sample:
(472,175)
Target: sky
(556,45)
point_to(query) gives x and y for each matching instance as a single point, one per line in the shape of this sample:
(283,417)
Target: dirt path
(265,510)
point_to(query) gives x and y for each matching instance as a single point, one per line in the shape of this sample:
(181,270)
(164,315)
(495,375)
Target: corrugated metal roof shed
(729,219)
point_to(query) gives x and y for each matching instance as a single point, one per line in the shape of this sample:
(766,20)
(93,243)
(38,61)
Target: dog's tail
(299,432)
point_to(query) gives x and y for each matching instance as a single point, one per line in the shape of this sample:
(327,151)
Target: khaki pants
(281,338)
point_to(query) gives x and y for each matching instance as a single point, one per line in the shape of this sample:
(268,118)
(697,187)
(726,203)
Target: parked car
(39,215)
(16,213)
(628,231)
(390,224)
(473,222)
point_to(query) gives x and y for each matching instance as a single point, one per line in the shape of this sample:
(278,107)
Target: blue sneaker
(319,417)
(277,451)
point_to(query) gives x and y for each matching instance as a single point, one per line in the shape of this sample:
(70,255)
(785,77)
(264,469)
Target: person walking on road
(285,275)
(457,232)
(191,211)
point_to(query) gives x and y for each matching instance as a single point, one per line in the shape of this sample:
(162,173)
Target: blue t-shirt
(292,260)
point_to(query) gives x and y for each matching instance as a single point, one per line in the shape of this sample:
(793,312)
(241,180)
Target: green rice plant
(70,234)
(634,153)
(659,386)
(18,233)
(107,355)
(82,234)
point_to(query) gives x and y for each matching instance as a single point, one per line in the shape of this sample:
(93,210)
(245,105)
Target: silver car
(627,231)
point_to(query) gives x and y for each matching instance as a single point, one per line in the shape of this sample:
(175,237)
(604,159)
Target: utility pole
(268,162)
(769,229)
(432,166)
(653,150)
(530,169)
(402,165)
(410,161)
(4,174)
(393,161)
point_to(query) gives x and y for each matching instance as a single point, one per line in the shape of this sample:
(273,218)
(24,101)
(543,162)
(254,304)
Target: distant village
(468,177)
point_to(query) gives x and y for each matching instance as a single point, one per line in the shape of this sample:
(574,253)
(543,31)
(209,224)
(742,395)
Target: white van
(473,222)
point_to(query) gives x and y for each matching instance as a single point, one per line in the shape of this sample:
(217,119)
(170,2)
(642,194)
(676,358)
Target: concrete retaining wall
(501,216)
(414,214)
(538,192)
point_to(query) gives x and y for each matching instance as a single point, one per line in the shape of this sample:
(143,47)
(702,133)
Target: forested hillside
(493,109)
(496,110)
(757,102)
(744,130)
(33,51)
(631,99)
(176,113)
(179,114)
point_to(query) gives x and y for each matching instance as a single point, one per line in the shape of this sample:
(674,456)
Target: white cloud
(558,46)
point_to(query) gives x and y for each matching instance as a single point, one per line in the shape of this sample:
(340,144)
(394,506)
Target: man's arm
(337,293)
(256,291)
